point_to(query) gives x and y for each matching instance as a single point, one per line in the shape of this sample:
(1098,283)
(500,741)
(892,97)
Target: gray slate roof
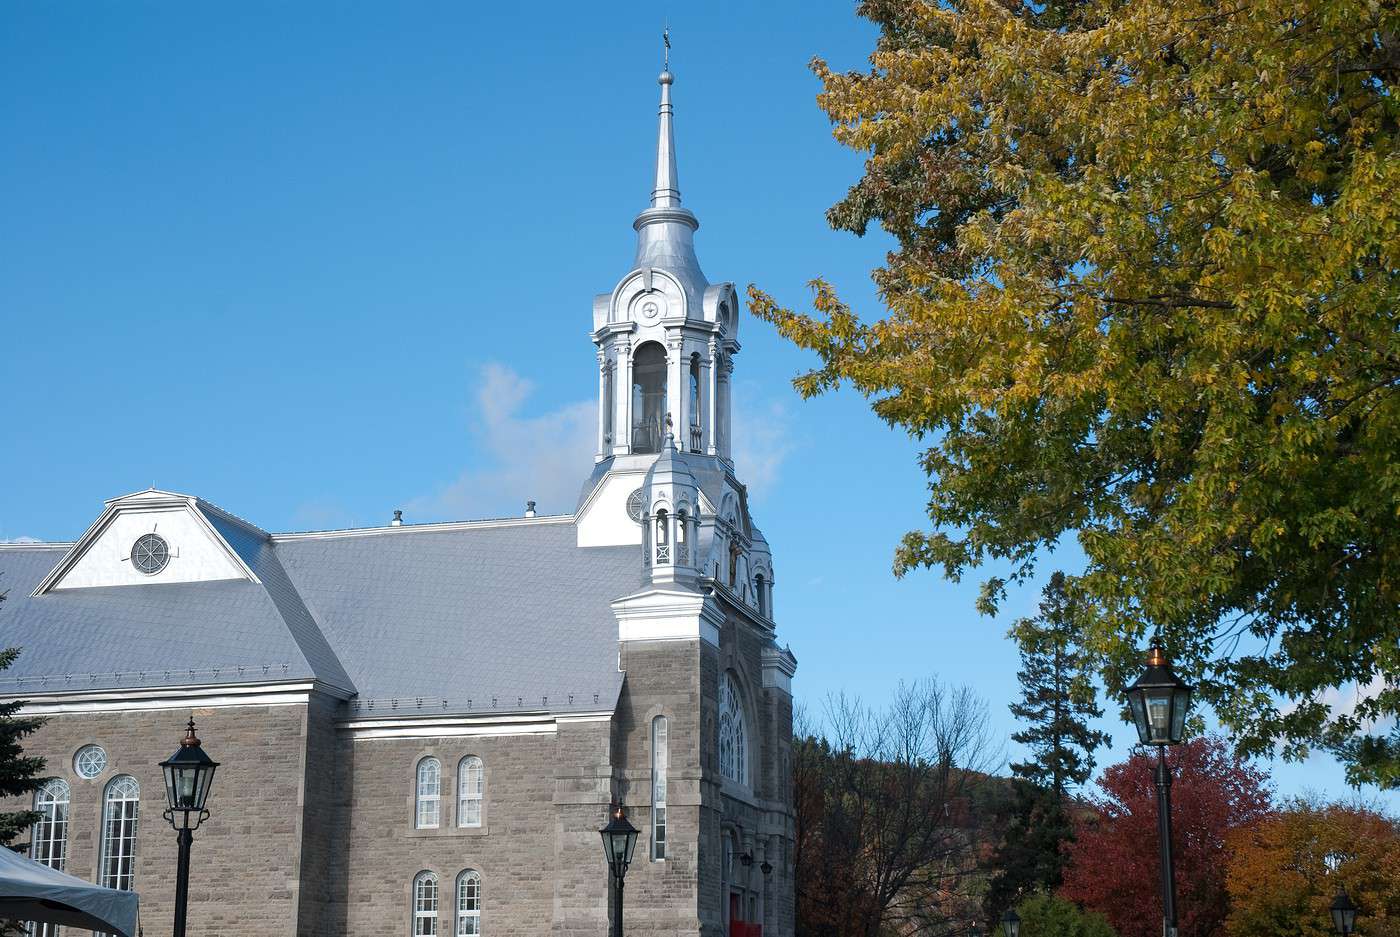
(456,619)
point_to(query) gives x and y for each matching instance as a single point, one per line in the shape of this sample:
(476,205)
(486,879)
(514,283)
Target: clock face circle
(636,505)
(149,554)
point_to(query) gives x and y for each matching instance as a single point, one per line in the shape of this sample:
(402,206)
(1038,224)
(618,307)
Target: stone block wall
(246,858)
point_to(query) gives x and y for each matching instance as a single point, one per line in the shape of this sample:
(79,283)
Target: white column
(722,428)
(622,390)
(602,403)
(673,387)
(711,368)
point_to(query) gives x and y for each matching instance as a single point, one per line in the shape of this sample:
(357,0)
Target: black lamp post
(1343,915)
(1159,700)
(619,840)
(188,775)
(1011,923)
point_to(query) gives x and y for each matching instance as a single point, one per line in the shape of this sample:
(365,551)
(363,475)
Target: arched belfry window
(694,404)
(760,594)
(733,732)
(428,805)
(663,536)
(648,397)
(682,537)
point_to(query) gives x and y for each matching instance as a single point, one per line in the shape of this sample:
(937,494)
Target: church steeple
(667,191)
(665,335)
(665,230)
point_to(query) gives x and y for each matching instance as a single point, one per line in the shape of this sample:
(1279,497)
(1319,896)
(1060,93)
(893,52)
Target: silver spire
(667,192)
(665,231)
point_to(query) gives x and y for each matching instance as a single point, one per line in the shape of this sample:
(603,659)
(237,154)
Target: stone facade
(308,681)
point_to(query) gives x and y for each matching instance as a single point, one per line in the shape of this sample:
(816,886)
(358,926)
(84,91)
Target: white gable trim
(140,501)
(664,615)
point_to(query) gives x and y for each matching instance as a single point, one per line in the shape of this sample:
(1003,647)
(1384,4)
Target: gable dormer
(148,538)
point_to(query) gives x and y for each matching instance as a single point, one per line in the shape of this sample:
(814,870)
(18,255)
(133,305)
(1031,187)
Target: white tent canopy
(33,892)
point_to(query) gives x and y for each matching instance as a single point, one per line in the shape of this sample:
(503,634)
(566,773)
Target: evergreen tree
(19,773)
(1057,696)
(1057,700)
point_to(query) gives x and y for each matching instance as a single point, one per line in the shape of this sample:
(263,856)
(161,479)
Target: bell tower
(665,336)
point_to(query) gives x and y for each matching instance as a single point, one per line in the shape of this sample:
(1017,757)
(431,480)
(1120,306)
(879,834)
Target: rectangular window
(659,755)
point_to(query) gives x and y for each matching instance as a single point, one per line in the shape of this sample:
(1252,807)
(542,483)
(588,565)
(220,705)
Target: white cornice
(37,545)
(663,615)
(170,697)
(463,726)
(424,528)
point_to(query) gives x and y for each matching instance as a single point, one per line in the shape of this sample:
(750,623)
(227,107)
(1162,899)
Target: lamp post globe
(189,774)
(1343,915)
(1011,923)
(1159,700)
(619,842)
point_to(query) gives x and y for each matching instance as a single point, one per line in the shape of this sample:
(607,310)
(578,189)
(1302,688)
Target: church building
(421,726)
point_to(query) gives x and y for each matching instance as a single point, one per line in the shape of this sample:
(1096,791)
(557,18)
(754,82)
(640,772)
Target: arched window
(659,755)
(471,790)
(120,807)
(425,905)
(49,842)
(648,398)
(761,595)
(695,435)
(663,536)
(429,798)
(733,734)
(469,904)
(682,537)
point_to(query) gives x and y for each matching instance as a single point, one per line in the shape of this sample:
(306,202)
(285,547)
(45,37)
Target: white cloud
(547,457)
(1344,700)
(543,458)
(20,540)
(762,439)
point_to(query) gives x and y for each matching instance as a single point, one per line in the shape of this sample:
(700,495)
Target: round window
(90,761)
(150,554)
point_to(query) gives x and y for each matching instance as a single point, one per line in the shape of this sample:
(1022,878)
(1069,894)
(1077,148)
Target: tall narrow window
(682,537)
(425,905)
(733,739)
(429,802)
(663,537)
(120,807)
(471,791)
(760,596)
(648,397)
(695,403)
(469,904)
(49,841)
(659,755)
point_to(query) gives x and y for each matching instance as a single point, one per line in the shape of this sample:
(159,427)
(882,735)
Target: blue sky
(316,261)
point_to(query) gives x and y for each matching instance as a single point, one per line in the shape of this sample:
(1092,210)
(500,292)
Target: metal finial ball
(666,78)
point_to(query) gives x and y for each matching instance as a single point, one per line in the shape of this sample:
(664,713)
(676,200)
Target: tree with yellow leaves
(1145,291)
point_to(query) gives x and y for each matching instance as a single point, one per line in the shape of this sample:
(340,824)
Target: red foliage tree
(1113,864)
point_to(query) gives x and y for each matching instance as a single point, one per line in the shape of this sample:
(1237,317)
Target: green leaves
(1146,291)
